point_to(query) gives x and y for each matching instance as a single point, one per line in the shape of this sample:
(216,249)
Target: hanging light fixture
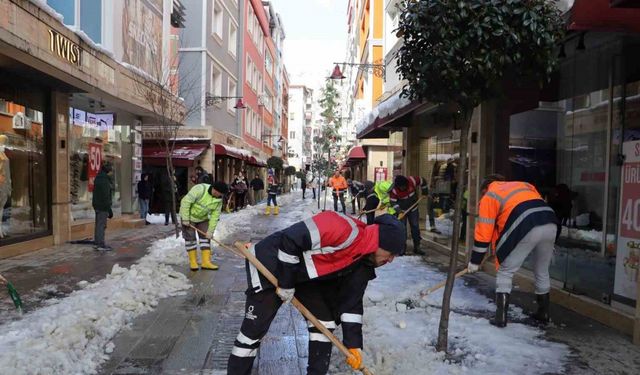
(240,104)
(581,46)
(337,73)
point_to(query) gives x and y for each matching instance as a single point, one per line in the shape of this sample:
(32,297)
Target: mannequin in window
(5,179)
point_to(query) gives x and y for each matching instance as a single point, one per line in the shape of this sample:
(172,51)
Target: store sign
(628,252)
(20,121)
(64,48)
(104,121)
(95,161)
(380,174)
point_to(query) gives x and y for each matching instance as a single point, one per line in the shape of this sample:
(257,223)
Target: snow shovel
(13,293)
(272,279)
(411,208)
(440,285)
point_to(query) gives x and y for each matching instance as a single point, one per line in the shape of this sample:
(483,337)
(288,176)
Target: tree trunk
(443,329)
(170,172)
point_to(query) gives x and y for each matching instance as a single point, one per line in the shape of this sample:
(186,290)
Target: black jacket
(257,184)
(101,199)
(144,189)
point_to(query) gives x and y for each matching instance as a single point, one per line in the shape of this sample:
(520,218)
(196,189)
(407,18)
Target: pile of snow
(400,336)
(73,335)
(384,109)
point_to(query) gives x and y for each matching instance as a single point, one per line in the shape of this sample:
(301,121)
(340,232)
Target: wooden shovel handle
(440,285)
(405,212)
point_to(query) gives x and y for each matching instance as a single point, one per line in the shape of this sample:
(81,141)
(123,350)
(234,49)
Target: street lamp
(213,99)
(378,70)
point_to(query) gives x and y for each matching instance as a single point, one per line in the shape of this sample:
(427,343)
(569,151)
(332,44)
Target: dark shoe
(146,222)
(166,223)
(502,308)
(417,250)
(542,315)
(103,248)
(434,230)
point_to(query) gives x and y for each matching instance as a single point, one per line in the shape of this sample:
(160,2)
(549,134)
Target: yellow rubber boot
(206,261)
(267,210)
(193,260)
(276,210)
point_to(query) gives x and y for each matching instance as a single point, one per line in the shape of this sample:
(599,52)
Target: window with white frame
(248,71)
(231,91)
(292,134)
(85,15)
(268,63)
(250,22)
(233,38)
(215,87)
(218,20)
(268,101)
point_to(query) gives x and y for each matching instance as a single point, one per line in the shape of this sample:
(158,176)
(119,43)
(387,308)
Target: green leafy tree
(290,170)
(325,143)
(275,163)
(459,54)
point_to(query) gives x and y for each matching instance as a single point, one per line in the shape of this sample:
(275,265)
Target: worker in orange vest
(514,220)
(339,185)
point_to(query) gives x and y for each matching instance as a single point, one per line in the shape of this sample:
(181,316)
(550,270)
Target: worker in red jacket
(326,262)
(403,194)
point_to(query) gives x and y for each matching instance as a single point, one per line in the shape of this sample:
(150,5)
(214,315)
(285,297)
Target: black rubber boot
(502,308)
(542,315)
(417,250)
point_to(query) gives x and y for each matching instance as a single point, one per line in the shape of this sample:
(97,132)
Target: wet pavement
(194,333)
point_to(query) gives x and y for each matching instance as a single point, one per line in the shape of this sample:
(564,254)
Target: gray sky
(316,36)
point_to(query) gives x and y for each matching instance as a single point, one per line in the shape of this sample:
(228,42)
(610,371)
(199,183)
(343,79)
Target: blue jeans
(144,208)
(271,198)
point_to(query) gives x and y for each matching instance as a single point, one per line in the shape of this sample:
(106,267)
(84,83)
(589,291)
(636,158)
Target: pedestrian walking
(303,185)
(168,197)
(240,186)
(339,185)
(201,208)
(330,285)
(356,188)
(201,177)
(145,192)
(101,202)
(312,182)
(371,202)
(514,217)
(257,186)
(272,192)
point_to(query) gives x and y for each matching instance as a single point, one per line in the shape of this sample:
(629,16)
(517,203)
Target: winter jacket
(316,248)
(144,189)
(102,192)
(382,189)
(356,188)
(240,185)
(198,205)
(257,184)
(338,184)
(371,203)
(402,200)
(508,211)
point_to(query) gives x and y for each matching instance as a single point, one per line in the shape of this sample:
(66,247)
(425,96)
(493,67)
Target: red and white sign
(628,251)
(380,174)
(95,161)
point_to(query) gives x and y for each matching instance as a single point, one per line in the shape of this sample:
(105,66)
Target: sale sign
(380,174)
(628,251)
(95,161)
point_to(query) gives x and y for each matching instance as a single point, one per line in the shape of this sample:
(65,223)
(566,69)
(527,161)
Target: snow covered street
(156,317)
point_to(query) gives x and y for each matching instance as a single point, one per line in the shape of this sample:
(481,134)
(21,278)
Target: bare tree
(160,91)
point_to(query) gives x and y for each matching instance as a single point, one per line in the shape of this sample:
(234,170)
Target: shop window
(24,188)
(216,81)
(231,91)
(93,134)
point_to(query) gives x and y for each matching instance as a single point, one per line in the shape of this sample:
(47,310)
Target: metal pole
(324,183)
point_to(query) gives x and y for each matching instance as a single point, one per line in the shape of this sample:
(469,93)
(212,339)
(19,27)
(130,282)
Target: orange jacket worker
(339,185)
(514,220)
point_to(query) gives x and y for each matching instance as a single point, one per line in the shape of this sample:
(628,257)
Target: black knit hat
(401,182)
(391,234)
(220,187)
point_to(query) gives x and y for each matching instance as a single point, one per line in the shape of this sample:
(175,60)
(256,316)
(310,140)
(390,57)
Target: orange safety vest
(508,211)
(338,183)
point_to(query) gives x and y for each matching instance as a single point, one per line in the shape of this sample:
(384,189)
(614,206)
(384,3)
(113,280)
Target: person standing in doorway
(339,185)
(240,186)
(101,201)
(144,195)
(257,186)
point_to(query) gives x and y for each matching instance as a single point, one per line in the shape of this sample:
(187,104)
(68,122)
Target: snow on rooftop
(382,110)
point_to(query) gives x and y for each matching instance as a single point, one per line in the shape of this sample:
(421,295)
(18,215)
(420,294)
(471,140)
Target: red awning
(257,161)
(223,150)
(182,156)
(598,15)
(356,152)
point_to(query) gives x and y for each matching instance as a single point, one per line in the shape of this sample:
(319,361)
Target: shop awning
(257,161)
(602,15)
(233,152)
(356,152)
(182,156)
(385,116)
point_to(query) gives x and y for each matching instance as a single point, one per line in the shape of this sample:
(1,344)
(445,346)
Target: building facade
(71,98)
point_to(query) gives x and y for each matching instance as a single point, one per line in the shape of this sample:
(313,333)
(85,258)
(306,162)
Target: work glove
(210,235)
(355,360)
(425,191)
(110,214)
(472,267)
(286,295)
(186,223)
